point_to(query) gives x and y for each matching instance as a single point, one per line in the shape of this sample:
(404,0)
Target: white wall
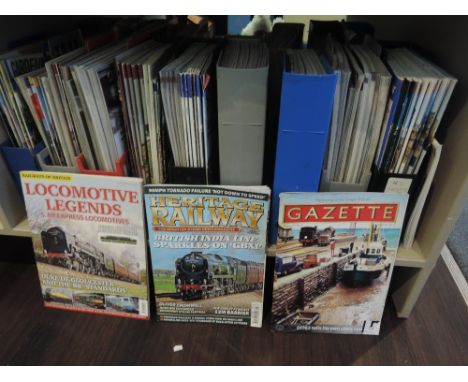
(305,19)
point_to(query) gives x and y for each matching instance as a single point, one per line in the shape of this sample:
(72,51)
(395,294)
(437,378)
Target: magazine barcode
(256,312)
(143,307)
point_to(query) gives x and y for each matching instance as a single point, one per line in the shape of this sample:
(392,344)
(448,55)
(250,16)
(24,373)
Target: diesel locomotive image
(68,251)
(56,295)
(92,300)
(122,304)
(203,275)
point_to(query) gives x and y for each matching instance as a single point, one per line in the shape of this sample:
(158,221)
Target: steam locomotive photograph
(64,249)
(204,275)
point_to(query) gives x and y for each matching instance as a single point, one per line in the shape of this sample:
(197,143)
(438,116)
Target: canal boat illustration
(369,263)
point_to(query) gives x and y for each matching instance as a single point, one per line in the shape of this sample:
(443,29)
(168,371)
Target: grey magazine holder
(242,95)
(42,160)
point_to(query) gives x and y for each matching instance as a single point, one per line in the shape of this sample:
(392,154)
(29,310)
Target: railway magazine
(335,255)
(208,252)
(89,243)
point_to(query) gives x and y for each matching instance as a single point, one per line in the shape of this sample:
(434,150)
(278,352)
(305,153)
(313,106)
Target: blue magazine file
(304,122)
(20,159)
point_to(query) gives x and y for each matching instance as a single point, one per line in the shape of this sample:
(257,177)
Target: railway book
(208,252)
(91,247)
(335,255)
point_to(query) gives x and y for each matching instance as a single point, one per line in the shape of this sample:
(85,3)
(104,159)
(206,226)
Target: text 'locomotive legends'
(89,200)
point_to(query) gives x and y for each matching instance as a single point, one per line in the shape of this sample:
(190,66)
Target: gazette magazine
(335,255)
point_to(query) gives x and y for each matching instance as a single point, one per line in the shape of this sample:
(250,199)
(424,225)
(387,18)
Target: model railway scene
(67,250)
(351,271)
(204,275)
(312,248)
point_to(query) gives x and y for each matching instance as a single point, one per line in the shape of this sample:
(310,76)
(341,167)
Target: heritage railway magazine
(335,255)
(90,244)
(208,252)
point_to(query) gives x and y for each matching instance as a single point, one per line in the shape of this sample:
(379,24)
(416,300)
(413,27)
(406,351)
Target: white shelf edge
(410,257)
(21,229)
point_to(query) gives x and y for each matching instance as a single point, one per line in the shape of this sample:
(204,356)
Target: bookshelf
(446,45)
(443,40)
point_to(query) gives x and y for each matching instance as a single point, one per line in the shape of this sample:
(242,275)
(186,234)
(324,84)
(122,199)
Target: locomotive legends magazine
(334,260)
(92,251)
(208,252)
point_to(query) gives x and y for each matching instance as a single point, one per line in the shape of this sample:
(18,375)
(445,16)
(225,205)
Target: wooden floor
(435,334)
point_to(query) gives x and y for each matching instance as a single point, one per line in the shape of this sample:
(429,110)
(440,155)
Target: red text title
(80,199)
(341,213)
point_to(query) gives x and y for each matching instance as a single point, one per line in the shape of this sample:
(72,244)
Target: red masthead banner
(356,212)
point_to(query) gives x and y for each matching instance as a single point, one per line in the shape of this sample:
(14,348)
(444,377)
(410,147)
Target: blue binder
(19,159)
(305,113)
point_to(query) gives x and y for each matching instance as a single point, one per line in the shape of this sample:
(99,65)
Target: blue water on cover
(392,235)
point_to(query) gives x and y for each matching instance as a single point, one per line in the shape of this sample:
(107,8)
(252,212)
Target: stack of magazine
(420,95)
(25,113)
(244,54)
(73,96)
(304,61)
(184,83)
(67,114)
(140,96)
(345,100)
(359,108)
(15,115)
(35,90)
(95,79)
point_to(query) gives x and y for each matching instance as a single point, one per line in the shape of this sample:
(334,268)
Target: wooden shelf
(450,186)
(410,257)
(21,229)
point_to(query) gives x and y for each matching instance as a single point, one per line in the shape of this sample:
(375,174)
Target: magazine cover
(93,255)
(208,252)
(334,260)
